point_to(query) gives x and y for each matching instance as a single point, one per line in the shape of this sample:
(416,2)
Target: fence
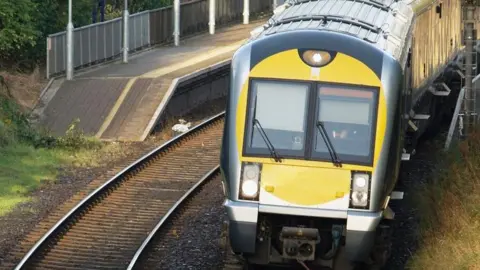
(100,42)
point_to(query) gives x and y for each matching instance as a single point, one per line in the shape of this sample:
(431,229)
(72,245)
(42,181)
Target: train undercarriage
(297,242)
(433,108)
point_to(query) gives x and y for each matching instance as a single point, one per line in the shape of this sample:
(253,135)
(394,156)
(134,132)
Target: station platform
(123,101)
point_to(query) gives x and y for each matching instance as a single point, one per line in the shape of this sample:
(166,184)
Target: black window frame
(353,159)
(312,107)
(248,127)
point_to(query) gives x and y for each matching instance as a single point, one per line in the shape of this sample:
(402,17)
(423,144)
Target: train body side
(436,42)
(436,56)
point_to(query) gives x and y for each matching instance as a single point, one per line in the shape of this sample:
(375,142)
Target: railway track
(105,229)
(162,239)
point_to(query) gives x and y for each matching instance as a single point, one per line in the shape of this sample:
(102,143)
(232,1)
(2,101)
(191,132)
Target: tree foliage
(18,31)
(25,24)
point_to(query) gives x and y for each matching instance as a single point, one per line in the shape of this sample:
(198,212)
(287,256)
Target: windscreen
(347,114)
(281,110)
(289,112)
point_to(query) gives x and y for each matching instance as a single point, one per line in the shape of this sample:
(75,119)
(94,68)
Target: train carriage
(314,132)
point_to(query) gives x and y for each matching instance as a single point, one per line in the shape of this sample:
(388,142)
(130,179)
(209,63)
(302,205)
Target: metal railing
(100,42)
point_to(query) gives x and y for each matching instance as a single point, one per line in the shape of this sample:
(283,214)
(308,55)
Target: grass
(450,209)
(30,158)
(22,169)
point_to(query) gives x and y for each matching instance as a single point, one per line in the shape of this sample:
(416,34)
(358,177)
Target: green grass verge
(22,169)
(30,158)
(449,206)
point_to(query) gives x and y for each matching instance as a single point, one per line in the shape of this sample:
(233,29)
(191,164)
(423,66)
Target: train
(325,102)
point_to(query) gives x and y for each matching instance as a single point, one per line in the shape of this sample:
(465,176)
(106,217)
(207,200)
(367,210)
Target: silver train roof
(383,23)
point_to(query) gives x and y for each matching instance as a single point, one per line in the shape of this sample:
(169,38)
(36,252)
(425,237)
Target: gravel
(414,174)
(192,240)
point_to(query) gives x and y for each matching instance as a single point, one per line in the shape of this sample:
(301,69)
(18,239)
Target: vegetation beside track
(30,157)
(449,209)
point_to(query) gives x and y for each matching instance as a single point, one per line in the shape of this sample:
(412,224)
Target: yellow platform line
(162,71)
(116,107)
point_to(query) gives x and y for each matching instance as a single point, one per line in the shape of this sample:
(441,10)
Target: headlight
(316,58)
(360,181)
(249,182)
(360,187)
(249,188)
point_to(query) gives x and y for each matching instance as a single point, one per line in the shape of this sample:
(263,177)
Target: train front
(302,160)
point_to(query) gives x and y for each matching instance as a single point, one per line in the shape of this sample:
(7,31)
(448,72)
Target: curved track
(203,194)
(106,228)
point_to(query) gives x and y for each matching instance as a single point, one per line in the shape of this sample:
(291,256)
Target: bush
(5,135)
(15,127)
(74,139)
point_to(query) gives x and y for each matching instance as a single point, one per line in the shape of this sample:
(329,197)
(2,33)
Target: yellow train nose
(305,186)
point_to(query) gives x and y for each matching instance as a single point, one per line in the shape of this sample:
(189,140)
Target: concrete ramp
(90,101)
(125,118)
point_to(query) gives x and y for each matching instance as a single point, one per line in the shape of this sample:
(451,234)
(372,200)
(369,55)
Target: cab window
(347,114)
(280,108)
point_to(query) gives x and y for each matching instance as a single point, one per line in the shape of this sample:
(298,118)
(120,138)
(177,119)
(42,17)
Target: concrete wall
(196,92)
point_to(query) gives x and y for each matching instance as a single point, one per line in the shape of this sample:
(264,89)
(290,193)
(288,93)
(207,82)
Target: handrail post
(246,11)
(125,32)
(176,16)
(469,105)
(49,47)
(211,13)
(69,43)
(275,4)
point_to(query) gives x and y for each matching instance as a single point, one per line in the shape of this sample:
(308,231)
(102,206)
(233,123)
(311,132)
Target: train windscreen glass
(281,110)
(348,114)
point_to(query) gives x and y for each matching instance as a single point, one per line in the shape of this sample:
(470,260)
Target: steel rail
(174,208)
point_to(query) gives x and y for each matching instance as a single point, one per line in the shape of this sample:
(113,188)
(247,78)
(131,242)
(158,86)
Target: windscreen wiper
(333,154)
(270,147)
